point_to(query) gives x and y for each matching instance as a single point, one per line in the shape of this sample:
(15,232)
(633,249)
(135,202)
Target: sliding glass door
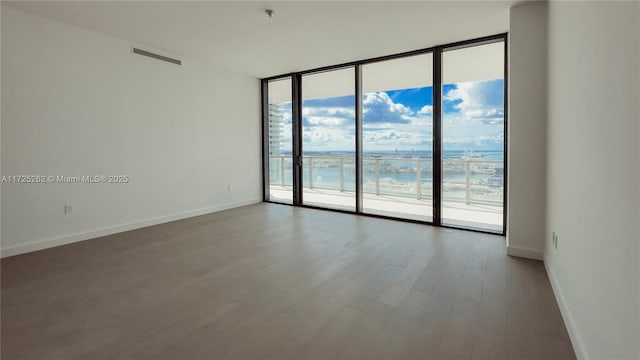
(328,139)
(418,136)
(278,141)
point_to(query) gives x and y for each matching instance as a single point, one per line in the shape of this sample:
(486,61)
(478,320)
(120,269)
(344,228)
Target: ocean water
(400,173)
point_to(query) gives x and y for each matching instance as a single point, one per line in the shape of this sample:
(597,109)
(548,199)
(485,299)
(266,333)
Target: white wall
(527,129)
(1,173)
(76,102)
(593,194)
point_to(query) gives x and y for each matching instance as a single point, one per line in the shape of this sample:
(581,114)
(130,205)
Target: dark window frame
(296,82)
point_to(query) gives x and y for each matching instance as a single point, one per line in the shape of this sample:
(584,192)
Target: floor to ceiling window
(328,139)
(278,141)
(418,136)
(397,124)
(473,136)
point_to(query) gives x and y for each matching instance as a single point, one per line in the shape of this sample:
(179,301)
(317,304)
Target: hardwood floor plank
(491,335)
(425,341)
(324,344)
(462,326)
(364,335)
(400,327)
(522,339)
(393,295)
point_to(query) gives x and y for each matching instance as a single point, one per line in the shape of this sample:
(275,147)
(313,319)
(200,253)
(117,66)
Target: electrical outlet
(554,240)
(229,187)
(68,209)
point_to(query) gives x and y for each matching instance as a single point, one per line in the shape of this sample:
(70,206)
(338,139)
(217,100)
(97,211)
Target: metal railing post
(282,182)
(419,179)
(377,176)
(310,172)
(341,174)
(467,180)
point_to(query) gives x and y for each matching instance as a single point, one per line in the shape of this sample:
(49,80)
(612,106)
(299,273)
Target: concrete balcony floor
(487,217)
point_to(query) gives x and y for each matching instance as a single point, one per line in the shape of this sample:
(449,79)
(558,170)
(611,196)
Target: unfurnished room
(320,180)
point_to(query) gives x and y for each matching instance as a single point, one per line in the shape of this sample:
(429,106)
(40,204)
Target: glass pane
(328,139)
(397,104)
(473,137)
(280,144)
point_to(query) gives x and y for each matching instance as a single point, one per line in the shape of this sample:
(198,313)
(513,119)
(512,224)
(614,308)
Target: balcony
(399,187)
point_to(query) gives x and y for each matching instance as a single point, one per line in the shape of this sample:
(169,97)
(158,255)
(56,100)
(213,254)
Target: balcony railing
(464,180)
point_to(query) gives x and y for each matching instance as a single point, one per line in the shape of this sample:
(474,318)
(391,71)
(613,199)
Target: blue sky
(473,119)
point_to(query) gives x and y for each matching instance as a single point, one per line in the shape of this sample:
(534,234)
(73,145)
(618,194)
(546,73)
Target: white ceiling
(303,35)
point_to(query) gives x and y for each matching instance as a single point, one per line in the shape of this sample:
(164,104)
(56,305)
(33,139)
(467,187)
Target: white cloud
(378,107)
(324,138)
(396,138)
(331,116)
(426,110)
(337,112)
(478,101)
(315,120)
(480,140)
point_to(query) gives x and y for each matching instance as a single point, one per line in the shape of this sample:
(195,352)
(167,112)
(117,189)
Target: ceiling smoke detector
(270,13)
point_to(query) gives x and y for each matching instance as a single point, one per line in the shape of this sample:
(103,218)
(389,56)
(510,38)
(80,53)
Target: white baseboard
(576,340)
(524,252)
(91,234)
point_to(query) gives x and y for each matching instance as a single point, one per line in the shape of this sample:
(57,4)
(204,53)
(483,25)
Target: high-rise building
(276,129)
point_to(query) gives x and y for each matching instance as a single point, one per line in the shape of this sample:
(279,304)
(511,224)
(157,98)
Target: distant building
(276,129)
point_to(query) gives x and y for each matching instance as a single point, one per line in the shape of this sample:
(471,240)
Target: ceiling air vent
(156,56)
